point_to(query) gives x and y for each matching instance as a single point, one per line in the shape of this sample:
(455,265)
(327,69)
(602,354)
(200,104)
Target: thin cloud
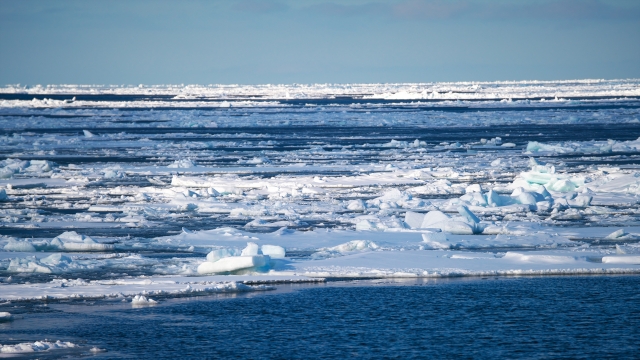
(259,6)
(420,9)
(333,9)
(483,9)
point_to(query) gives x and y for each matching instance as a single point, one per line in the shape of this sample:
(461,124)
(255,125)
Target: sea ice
(140,300)
(252,249)
(233,263)
(5,316)
(72,241)
(22,246)
(37,346)
(273,251)
(621,259)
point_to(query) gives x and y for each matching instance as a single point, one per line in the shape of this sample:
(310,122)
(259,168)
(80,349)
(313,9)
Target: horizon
(132,85)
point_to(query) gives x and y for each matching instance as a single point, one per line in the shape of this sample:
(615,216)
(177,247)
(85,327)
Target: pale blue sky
(316,41)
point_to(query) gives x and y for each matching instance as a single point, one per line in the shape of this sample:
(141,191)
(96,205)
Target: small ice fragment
(182,164)
(616,234)
(37,346)
(274,251)
(5,316)
(3,194)
(88,133)
(355,245)
(140,300)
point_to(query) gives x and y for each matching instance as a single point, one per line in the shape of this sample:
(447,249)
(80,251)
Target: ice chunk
(182,164)
(621,259)
(27,265)
(140,300)
(233,263)
(355,245)
(528,198)
(72,241)
(435,240)
(458,228)
(467,214)
(474,188)
(563,185)
(15,245)
(413,219)
(5,316)
(252,249)
(256,161)
(356,205)
(39,166)
(3,193)
(535,258)
(273,251)
(112,174)
(216,255)
(534,146)
(56,260)
(616,234)
(493,199)
(543,192)
(581,201)
(88,133)
(434,219)
(475,199)
(364,225)
(37,346)
(395,195)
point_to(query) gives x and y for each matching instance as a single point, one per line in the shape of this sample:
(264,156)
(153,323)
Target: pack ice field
(139,193)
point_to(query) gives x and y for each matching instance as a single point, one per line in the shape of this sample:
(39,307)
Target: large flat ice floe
(191,190)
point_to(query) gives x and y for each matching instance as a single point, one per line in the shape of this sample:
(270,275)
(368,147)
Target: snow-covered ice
(199,189)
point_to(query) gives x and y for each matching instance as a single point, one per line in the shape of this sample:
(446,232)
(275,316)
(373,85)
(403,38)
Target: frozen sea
(515,204)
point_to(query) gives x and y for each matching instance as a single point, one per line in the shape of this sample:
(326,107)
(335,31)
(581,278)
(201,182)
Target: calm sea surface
(552,317)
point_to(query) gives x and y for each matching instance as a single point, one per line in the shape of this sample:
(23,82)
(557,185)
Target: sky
(316,41)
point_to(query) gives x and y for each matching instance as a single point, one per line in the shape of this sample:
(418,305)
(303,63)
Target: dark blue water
(554,317)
